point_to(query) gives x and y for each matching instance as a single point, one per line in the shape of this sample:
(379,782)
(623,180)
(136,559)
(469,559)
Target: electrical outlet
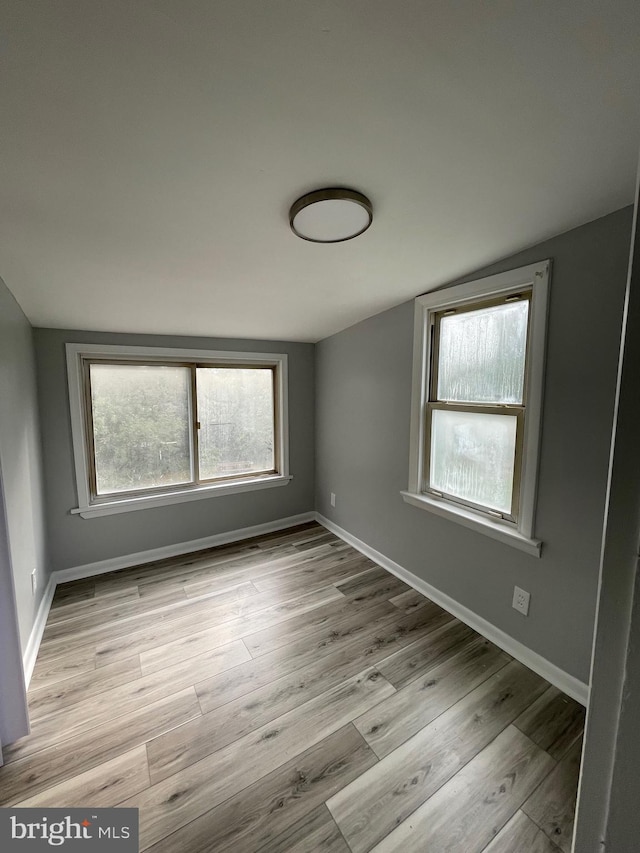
(34,582)
(333,499)
(521,600)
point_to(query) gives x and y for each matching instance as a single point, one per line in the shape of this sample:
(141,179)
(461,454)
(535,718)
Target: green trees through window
(169,425)
(235,412)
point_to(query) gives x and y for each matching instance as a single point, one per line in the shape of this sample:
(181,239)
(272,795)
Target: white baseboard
(570,685)
(31,652)
(103,566)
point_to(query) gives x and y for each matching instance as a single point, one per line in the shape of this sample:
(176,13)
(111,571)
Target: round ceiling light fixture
(330,215)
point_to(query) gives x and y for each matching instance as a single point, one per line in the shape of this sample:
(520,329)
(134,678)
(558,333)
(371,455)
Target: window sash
(489,409)
(192,415)
(275,410)
(466,308)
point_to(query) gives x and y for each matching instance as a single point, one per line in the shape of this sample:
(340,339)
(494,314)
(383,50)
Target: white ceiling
(151,150)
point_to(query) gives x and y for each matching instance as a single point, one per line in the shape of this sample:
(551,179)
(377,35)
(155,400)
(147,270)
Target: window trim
(89,506)
(534,277)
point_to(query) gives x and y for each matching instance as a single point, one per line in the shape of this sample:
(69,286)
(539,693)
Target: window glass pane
(482,354)
(140,426)
(235,410)
(473,457)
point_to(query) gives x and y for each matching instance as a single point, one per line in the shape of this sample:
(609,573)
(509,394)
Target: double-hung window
(155,426)
(478,370)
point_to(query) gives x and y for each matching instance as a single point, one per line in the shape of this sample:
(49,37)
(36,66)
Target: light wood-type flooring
(286,694)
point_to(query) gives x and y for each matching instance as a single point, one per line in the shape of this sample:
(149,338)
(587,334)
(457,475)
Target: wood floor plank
(227,617)
(103,786)
(194,642)
(174,802)
(316,832)
(372,806)
(371,573)
(157,592)
(413,661)
(173,572)
(521,833)
(47,672)
(299,533)
(138,611)
(325,541)
(552,805)
(219,589)
(409,601)
(123,700)
(130,619)
(107,595)
(235,566)
(185,568)
(262,558)
(80,590)
(336,616)
(343,566)
(62,694)
(274,804)
(276,547)
(188,744)
(260,565)
(362,588)
(554,722)
(354,638)
(465,814)
(413,707)
(322,556)
(76,609)
(63,759)
(325,536)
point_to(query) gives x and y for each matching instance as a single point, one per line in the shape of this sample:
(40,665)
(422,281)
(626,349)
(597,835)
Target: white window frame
(534,277)
(90,507)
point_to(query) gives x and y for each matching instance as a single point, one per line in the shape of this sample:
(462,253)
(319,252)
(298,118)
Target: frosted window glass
(140,426)
(473,457)
(482,354)
(235,410)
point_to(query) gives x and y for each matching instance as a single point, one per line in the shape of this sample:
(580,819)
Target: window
(477,394)
(152,426)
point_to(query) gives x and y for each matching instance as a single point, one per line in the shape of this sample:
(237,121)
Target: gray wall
(75,541)
(363,393)
(20,460)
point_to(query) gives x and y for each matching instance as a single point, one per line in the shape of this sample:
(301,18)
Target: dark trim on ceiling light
(330,194)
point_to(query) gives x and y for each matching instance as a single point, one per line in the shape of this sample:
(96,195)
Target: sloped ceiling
(151,151)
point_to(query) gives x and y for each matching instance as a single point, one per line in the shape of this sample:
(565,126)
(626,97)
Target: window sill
(149,501)
(474,521)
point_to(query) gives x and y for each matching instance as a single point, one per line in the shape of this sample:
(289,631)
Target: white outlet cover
(521,600)
(333,499)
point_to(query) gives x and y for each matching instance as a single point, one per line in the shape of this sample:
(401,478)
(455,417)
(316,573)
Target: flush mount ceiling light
(330,215)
